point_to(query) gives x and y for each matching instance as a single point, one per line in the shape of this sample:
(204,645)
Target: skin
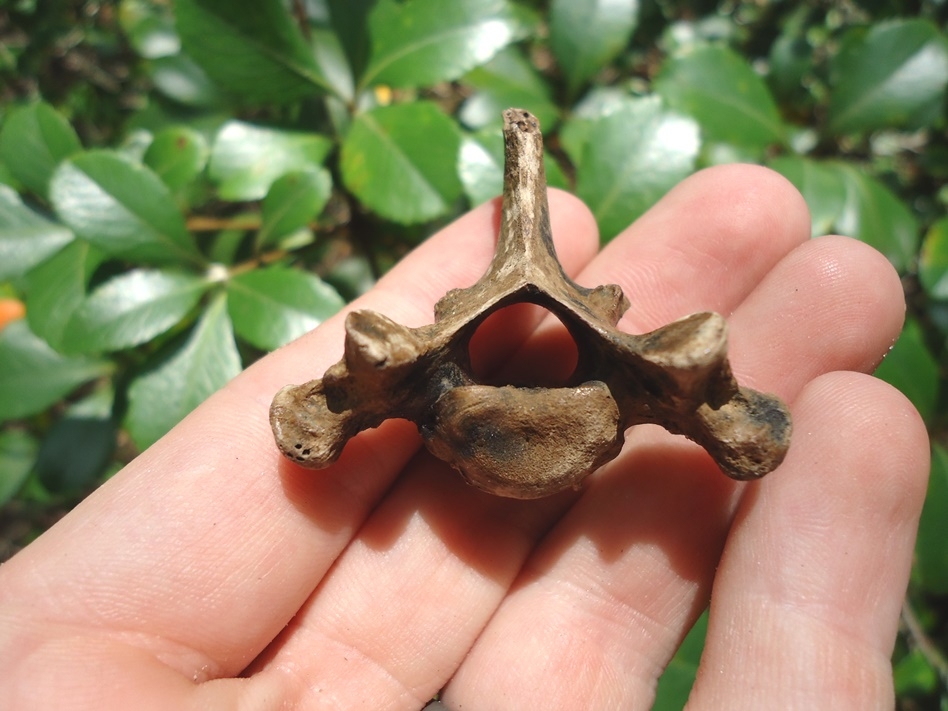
(213,574)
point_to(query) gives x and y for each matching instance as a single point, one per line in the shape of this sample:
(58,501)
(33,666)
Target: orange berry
(10,310)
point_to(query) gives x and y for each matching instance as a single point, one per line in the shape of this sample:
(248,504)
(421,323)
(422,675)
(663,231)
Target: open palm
(213,574)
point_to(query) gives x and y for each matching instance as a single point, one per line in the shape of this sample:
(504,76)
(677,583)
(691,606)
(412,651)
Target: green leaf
(423,42)
(26,238)
(17,454)
(292,201)
(246,159)
(911,368)
(200,365)
(892,75)
(121,207)
(177,155)
(873,214)
(181,79)
(717,87)
(75,453)
(507,80)
(350,22)
(272,306)
(586,35)
(253,49)
(913,674)
(821,185)
(933,260)
(34,140)
(132,308)
(675,684)
(401,161)
(33,376)
(634,156)
(931,546)
(57,288)
(149,27)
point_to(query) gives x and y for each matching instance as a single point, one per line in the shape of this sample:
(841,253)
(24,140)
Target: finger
(429,571)
(806,601)
(206,545)
(626,572)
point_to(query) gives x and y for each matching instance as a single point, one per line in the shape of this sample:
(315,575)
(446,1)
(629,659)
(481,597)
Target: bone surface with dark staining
(532,442)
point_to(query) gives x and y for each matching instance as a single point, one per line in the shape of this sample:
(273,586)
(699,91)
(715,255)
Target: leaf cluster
(253,164)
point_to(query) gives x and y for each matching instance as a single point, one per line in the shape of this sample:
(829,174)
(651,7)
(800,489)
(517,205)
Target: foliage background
(185,186)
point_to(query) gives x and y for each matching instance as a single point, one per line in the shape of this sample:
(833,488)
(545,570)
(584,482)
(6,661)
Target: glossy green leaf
(507,80)
(717,87)
(201,364)
(586,35)
(177,155)
(292,201)
(598,103)
(911,368)
(26,238)
(350,20)
(246,159)
(892,75)
(132,308)
(183,80)
(639,153)
(931,546)
(254,49)
(875,215)
(149,26)
(33,141)
(121,207)
(270,307)
(75,453)
(423,42)
(401,161)
(17,455)
(675,684)
(821,185)
(33,376)
(933,260)
(58,287)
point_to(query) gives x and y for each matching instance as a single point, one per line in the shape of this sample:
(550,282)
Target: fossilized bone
(531,442)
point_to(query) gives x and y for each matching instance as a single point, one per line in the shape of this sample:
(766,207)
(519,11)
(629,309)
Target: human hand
(213,574)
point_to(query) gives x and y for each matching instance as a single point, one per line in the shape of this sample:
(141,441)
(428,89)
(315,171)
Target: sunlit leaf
(121,207)
(586,35)
(132,308)
(270,307)
(718,88)
(254,49)
(401,161)
(423,42)
(675,684)
(246,159)
(33,141)
(505,81)
(891,74)
(177,155)
(639,153)
(292,201)
(58,287)
(26,238)
(33,376)
(200,365)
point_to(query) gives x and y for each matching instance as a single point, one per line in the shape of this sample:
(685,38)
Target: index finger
(207,544)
